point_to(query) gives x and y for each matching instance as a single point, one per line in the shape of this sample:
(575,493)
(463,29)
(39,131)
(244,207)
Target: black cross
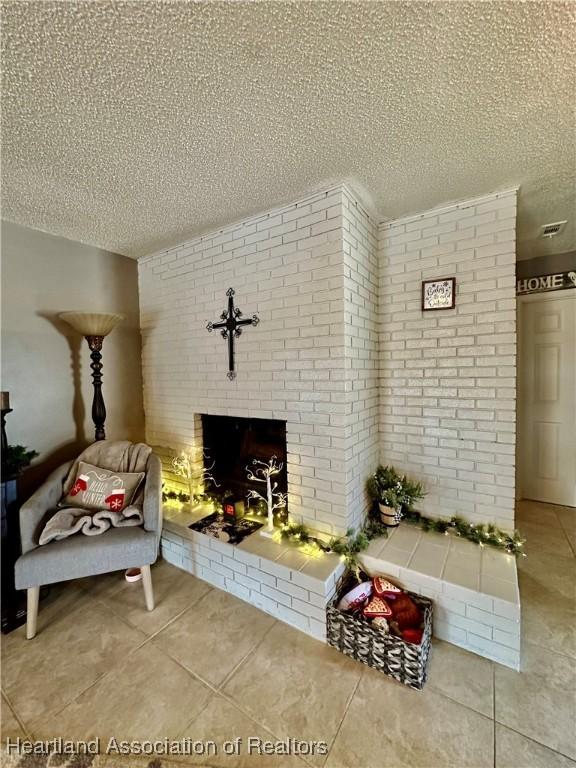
(231,328)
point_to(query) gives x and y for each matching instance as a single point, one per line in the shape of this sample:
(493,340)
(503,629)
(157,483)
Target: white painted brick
(294,618)
(264,603)
(261,576)
(274,594)
(235,588)
(318,629)
(495,651)
(467,345)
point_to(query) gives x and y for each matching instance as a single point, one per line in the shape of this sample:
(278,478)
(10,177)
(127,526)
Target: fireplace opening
(231,444)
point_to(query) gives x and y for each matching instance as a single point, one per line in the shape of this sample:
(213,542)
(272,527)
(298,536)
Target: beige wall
(45,364)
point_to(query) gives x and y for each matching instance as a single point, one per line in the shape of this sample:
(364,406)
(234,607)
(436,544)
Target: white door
(547,379)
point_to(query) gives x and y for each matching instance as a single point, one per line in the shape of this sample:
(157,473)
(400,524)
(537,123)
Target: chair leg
(32,596)
(147,583)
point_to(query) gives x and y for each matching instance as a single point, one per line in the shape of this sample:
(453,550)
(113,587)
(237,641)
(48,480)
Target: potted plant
(394,494)
(15,459)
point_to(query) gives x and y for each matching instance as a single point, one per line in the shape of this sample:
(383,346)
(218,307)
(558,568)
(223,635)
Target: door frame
(522,300)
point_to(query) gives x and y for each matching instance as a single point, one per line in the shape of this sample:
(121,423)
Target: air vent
(549,230)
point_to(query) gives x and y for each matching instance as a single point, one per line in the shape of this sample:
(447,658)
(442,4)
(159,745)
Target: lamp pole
(98,407)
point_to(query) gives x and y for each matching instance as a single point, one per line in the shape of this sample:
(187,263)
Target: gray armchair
(78,556)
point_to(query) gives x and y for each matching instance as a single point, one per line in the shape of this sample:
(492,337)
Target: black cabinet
(13,601)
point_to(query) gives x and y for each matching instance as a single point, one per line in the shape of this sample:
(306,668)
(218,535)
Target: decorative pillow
(356,597)
(385,588)
(377,607)
(96,488)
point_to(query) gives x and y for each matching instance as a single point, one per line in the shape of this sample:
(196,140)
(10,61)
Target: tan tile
(214,635)
(321,567)
(10,728)
(389,724)
(548,617)
(538,513)
(462,577)
(395,556)
(465,677)
(146,695)
(295,686)
(376,547)
(429,558)
(59,599)
(498,565)
(174,591)
(77,647)
(103,583)
(221,721)
(293,558)
(571,536)
(567,517)
(466,560)
(539,701)
(541,539)
(516,751)
(500,588)
(137,761)
(553,572)
(405,537)
(262,546)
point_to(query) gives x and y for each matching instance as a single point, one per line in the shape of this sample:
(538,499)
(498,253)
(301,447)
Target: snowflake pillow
(95,488)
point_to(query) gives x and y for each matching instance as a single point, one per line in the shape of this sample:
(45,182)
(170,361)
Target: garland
(180,496)
(353,543)
(483,535)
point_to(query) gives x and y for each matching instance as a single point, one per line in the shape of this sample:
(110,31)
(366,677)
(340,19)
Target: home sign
(557,282)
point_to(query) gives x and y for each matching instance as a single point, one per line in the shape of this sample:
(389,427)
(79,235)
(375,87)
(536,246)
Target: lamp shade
(92,323)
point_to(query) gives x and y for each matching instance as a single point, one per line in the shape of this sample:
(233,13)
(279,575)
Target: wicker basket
(358,638)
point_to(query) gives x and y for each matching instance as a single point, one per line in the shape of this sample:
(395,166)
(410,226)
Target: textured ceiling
(134,125)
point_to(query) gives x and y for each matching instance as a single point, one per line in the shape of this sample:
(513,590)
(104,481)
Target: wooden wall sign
(439,294)
(559,281)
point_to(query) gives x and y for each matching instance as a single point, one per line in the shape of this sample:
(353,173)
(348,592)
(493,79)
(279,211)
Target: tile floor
(208,666)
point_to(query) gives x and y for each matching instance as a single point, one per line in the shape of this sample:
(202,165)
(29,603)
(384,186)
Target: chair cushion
(78,556)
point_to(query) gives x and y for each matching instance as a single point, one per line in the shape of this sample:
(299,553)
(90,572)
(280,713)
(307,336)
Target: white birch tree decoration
(264,472)
(186,466)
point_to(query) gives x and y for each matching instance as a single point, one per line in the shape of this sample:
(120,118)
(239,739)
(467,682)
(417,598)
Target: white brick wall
(361,359)
(309,271)
(296,597)
(338,298)
(448,378)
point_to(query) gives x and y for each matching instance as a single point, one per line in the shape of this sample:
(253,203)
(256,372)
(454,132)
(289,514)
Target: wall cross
(230,328)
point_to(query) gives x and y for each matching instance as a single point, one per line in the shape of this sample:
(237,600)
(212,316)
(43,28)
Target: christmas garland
(353,543)
(180,496)
(483,535)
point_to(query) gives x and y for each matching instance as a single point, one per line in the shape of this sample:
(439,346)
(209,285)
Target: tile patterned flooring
(205,665)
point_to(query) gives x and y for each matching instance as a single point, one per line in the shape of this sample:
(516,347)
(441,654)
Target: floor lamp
(94,327)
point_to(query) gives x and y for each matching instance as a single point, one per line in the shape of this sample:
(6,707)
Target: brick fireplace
(343,356)
(310,272)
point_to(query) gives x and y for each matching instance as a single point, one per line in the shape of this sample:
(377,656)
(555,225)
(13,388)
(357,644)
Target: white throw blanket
(117,456)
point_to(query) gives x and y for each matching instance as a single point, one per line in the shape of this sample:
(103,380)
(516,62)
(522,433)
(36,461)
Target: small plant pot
(390,516)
